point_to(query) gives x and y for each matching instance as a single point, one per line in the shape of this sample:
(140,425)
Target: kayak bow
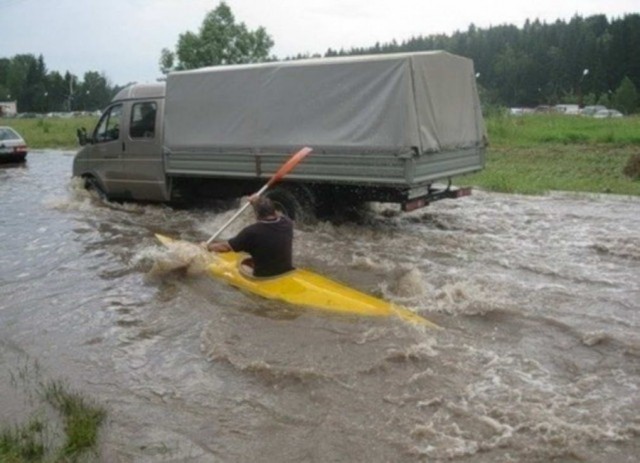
(304,288)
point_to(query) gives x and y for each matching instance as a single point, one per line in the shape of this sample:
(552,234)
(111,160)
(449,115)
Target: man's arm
(220,246)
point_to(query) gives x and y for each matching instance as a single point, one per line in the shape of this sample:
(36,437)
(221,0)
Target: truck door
(142,152)
(106,151)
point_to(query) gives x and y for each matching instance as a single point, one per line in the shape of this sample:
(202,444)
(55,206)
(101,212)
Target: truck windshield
(109,126)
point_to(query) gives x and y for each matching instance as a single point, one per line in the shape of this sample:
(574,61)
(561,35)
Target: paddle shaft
(236,215)
(284,170)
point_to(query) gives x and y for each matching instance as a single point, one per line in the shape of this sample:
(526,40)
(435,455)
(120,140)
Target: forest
(586,60)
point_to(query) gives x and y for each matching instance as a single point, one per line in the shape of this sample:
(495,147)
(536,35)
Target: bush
(632,169)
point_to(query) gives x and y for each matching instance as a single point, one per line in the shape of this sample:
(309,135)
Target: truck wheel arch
(92,183)
(296,202)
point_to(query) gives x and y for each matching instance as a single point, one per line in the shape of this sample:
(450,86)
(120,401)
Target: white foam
(191,257)
(595,337)
(411,283)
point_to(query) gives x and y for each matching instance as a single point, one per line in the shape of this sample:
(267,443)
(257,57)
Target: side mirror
(81,133)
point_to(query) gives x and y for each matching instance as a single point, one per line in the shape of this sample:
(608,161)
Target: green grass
(43,133)
(544,129)
(32,443)
(536,170)
(538,153)
(81,419)
(24,444)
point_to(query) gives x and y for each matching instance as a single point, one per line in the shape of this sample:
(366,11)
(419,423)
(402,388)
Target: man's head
(263,207)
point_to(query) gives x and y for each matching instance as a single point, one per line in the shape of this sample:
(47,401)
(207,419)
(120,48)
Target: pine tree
(625,98)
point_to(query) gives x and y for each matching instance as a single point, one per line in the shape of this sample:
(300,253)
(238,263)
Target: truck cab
(122,156)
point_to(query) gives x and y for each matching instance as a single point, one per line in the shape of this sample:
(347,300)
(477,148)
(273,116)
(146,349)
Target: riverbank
(527,154)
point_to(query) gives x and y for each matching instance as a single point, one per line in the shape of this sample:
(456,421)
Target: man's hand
(220,246)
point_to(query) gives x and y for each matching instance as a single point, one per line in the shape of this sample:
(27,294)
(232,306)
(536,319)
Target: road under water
(539,359)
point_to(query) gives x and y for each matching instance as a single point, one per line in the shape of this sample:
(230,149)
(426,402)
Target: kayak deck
(304,288)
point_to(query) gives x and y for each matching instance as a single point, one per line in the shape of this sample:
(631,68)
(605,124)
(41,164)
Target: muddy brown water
(539,360)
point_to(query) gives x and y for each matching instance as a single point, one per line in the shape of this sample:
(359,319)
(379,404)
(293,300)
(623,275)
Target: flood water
(539,359)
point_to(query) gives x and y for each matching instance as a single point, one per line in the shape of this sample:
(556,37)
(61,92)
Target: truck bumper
(418,199)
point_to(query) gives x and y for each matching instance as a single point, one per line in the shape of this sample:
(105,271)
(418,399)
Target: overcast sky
(123,38)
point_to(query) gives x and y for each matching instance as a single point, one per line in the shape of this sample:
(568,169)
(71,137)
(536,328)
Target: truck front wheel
(93,185)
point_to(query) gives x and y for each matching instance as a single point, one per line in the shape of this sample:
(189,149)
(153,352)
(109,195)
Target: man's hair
(264,208)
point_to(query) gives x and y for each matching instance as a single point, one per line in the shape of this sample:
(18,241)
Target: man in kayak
(268,241)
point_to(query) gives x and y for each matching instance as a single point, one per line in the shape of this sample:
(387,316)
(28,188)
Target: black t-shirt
(269,243)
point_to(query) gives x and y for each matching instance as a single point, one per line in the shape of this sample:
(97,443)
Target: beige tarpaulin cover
(427,101)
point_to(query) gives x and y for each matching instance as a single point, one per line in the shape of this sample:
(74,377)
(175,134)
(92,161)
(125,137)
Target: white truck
(385,128)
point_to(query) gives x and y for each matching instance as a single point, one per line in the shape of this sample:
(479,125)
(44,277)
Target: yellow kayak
(304,288)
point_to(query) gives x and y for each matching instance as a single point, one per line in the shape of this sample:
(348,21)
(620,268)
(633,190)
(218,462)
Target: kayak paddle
(287,167)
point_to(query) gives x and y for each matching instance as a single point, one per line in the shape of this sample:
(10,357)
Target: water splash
(191,258)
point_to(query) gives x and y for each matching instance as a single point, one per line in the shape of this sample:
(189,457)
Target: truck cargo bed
(366,168)
(396,119)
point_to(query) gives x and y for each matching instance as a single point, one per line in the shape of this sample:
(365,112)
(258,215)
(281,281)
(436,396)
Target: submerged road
(540,358)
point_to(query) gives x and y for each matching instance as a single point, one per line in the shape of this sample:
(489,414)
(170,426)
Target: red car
(13,148)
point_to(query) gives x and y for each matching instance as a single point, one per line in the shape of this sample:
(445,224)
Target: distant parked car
(542,109)
(568,109)
(604,113)
(591,110)
(13,148)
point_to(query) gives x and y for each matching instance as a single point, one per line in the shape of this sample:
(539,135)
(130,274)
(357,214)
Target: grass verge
(538,169)
(539,153)
(41,133)
(553,129)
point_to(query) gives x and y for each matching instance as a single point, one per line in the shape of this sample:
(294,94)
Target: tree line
(25,79)
(590,60)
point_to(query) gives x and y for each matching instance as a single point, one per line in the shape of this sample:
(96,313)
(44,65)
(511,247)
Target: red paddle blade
(289,165)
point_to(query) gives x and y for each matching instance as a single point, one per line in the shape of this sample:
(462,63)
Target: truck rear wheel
(295,203)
